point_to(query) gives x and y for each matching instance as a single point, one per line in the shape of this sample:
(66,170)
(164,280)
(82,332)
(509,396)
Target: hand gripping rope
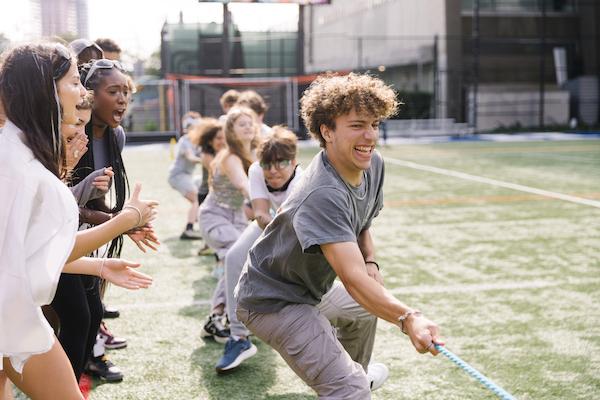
(497,390)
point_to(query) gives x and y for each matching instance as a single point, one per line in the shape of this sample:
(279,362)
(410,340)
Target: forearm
(374,298)
(366,245)
(85,266)
(347,261)
(90,239)
(93,217)
(261,212)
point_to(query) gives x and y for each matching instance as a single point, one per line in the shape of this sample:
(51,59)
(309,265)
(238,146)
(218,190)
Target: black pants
(78,306)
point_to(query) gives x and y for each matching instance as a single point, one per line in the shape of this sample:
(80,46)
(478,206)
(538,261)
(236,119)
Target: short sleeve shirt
(286,264)
(182,165)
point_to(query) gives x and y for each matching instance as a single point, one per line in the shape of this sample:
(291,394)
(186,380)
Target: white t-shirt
(38,222)
(258,186)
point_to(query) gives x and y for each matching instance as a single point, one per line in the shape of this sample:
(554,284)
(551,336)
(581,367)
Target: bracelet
(404,316)
(138,212)
(374,263)
(102,267)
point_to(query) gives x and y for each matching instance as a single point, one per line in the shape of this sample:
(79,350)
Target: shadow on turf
(251,380)
(183,248)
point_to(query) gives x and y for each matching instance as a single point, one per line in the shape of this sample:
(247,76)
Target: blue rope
(503,394)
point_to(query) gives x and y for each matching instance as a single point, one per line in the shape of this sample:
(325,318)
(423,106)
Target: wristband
(405,316)
(374,263)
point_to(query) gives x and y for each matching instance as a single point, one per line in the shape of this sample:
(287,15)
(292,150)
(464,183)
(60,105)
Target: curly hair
(330,96)
(203,133)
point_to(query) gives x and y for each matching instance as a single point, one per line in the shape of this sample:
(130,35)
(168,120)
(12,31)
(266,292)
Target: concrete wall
(362,34)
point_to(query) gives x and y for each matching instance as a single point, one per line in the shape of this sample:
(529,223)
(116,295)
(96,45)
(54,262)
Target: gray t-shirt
(286,264)
(101,152)
(182,165)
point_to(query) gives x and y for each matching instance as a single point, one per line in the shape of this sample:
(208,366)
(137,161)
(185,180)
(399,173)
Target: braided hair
(85,166)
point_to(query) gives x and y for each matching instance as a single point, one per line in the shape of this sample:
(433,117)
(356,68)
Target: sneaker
(104,369)
(111,341)
(110,312)
(236,351)
(217,327)
(85,385)
(190,234)
(206,251)
(377,375)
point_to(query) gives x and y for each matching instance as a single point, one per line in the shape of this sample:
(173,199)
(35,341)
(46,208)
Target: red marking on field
(478,199)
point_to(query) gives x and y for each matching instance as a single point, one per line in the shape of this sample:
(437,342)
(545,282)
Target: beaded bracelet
(374,263)
(404,316)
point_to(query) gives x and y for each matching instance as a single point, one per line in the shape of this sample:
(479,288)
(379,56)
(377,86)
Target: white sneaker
(377,375)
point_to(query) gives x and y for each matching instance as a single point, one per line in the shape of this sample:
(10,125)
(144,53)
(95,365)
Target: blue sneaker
(236,351)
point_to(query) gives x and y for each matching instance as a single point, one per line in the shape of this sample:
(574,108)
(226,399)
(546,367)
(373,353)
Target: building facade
(492,63)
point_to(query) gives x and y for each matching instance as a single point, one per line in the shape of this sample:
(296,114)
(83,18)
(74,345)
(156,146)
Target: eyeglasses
(103,63)
(279,164)
(65,63)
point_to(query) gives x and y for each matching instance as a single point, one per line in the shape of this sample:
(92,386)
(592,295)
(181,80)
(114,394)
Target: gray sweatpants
(234,262)
(221,227)
(332,360)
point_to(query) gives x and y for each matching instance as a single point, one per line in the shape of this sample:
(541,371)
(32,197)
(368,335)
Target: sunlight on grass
(528,317)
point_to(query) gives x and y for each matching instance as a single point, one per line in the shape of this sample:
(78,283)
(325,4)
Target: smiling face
(111,99)
(70,94)
(244,128)
(351,144)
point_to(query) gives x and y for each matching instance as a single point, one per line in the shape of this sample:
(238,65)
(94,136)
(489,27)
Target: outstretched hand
(144,237)
(121,273)
(147,208)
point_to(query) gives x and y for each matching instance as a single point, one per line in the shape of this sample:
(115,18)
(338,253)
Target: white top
(258,186)
(38,222)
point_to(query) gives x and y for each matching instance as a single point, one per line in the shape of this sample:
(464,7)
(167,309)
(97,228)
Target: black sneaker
(101,367)
(217,327)
(110,312)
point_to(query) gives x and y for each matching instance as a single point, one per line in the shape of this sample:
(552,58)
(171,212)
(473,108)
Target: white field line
(489,181)
(436,289)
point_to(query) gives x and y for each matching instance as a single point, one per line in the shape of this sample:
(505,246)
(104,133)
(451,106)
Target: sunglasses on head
(88,44)
(103,63)
(278,164)
(65,61)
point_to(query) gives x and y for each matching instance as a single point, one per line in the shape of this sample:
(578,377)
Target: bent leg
(306,341)
(356,327)
(46,376)
(234,262)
